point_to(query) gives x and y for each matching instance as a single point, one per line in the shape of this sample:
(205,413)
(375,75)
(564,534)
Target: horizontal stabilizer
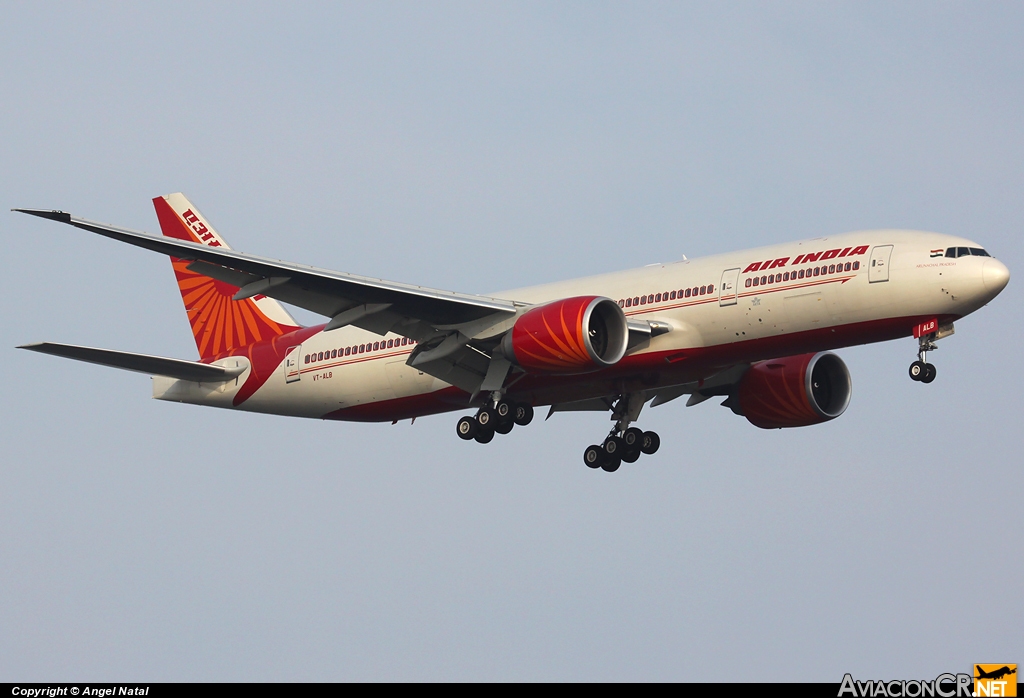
(142,363)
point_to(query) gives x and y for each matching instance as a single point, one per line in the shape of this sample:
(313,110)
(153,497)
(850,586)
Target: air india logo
(995,680)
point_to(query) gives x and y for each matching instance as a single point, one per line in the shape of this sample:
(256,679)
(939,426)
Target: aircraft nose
(995,276)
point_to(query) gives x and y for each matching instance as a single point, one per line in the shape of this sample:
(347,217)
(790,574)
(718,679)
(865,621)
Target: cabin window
(362,348)
(657,298)
(622,303)
(687,293)
(711,288)
(650,299)
(643,300)
(629,302)
(757,282)
(307,358)
(748,283)
(672,296)
(636,300)
(856,266)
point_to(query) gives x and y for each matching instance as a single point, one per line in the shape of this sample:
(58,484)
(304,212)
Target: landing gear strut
(921,370)
(623,443)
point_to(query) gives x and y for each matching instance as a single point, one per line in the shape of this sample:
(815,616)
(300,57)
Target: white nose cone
(995,275)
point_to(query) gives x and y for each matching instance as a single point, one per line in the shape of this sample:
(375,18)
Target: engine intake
(569,336)
(795,391)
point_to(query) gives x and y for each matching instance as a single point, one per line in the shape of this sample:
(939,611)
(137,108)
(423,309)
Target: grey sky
(476,147)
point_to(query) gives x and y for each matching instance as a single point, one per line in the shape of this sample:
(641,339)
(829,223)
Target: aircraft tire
(524,414)
(633,438)
(467,428)
(613,446)
(918,370)
(593,456)
(486,417)
(503,427)
(505,411)
(484,435)
(631,455)
(611,463)
(929,373)
(651,443)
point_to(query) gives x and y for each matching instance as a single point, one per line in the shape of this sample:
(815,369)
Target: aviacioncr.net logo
(942,686)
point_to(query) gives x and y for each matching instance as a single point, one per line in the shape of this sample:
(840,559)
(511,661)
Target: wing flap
(140,363)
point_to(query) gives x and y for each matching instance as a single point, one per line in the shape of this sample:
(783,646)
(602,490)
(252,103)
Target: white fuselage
(879,292)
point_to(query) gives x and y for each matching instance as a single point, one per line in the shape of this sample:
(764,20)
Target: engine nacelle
(573,335)
(794,391)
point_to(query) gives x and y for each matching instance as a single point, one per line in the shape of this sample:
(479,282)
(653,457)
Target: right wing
(141,363)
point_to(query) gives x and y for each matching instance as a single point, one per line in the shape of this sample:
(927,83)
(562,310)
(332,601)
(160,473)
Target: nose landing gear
(921,370)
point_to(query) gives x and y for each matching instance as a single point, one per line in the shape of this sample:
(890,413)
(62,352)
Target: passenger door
(727,289)
(879,264)
(293,364)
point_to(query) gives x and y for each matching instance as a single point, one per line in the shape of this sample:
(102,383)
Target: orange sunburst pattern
(219,324)
(773,394)
(552,339)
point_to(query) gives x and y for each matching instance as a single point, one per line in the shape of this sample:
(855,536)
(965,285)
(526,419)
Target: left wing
(454,331)
(374,304)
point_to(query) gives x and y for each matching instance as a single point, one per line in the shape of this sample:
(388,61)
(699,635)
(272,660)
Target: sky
(478,146)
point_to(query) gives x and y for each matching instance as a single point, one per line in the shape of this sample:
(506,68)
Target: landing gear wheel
(484,435)
(929,373)
(613,446)
(505,411)
(918,370)
(503,427)
(593,456)
(486,417)
(651,443)
(467,428)
(523,415)
(633,438)
(611,463)
(631,455)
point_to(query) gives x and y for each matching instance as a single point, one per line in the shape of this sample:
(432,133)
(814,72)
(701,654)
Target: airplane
(995,674)
(755,327)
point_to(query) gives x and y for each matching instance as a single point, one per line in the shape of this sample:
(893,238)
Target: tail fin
(218,323)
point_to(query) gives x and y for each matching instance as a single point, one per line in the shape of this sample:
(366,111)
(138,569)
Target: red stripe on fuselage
(645,371)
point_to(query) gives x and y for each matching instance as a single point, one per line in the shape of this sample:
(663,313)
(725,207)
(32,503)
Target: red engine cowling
(795,391)
(573,335)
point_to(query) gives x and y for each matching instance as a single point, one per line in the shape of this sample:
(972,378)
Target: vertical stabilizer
(219,324)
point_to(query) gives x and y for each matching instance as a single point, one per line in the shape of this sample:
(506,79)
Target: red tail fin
(218,323)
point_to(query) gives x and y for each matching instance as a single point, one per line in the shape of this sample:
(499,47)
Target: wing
(454,331)
(140,363)
(374,304)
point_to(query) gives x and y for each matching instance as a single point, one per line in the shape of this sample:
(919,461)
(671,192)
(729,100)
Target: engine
(795,391)
(573,335)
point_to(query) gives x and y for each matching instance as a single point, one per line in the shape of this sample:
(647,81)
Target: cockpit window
(966,252)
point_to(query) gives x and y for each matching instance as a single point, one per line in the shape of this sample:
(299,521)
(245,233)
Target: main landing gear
(497,419)
(622,446)
(921,370)
(624,443)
